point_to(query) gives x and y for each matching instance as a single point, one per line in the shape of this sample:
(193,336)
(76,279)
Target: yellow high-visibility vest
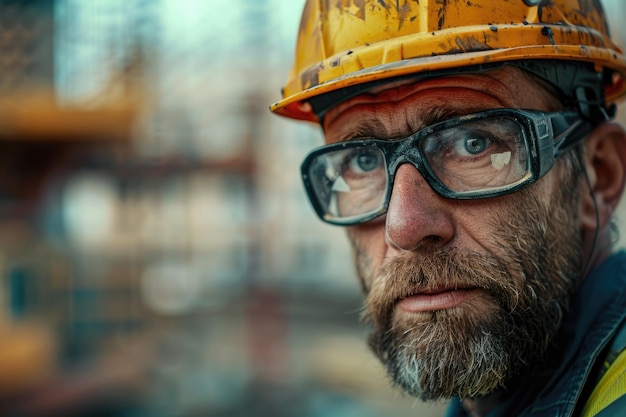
(609,396)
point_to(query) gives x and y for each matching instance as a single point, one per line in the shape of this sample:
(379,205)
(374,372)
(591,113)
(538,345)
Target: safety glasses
(474,156)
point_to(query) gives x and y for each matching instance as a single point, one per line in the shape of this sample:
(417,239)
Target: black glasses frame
(546,135)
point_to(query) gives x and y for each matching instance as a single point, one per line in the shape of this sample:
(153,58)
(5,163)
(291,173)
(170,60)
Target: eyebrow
(437,114)
(366,128)
(373,128)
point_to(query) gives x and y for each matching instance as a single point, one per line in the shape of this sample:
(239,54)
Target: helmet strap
(579,85)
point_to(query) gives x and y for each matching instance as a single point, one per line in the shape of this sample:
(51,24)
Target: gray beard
(477,347)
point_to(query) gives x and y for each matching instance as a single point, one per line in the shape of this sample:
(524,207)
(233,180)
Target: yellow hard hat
(346,43)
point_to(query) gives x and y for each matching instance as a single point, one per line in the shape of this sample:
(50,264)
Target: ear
(605,161)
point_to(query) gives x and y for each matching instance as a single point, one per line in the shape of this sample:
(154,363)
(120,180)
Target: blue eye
(365,161)
(470,145)
(475,145)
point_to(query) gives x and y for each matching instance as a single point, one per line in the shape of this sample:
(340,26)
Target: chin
(467,351)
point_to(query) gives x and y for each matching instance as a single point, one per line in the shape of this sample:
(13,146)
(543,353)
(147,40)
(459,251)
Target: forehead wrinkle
(393,105)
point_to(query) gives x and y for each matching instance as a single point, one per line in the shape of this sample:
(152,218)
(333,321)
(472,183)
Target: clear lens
(349,182)
(471,157)
(480,155)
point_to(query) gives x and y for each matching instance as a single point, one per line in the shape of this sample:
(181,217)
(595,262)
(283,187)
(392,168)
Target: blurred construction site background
(157,253)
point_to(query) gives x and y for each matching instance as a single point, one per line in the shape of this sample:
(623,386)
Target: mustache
(413,273)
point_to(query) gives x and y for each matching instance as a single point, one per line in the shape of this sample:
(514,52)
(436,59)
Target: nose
(417,217)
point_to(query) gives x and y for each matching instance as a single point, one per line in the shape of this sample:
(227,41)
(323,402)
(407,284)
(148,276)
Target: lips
(438,300)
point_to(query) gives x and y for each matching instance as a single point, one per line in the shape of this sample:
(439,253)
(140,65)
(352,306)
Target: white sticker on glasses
(499,160)
(341,186)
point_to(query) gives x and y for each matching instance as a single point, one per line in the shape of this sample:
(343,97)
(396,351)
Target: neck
(597,248)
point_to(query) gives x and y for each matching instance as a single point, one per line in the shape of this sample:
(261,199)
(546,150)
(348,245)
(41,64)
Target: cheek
(369,238)
(369,245)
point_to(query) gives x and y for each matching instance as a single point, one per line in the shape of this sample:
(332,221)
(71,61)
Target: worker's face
(461,294)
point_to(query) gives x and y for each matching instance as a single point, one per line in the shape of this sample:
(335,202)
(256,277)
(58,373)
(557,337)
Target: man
(470,154)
